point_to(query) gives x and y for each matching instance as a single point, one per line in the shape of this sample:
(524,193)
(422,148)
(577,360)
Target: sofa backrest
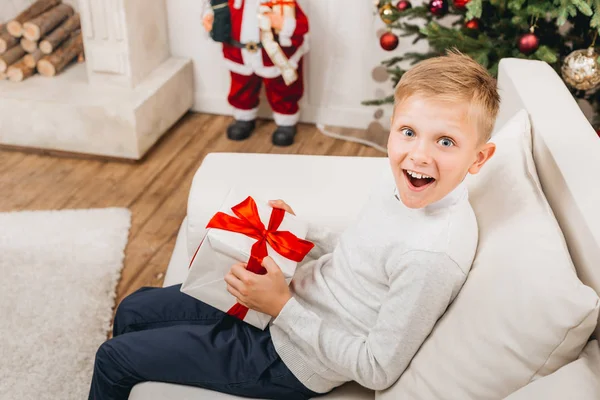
(566,151)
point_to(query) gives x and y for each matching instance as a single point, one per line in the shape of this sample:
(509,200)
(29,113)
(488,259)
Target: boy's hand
(207,22)
(264,293)
(281,204)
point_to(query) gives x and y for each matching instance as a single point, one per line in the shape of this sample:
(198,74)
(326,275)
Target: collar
(449,200)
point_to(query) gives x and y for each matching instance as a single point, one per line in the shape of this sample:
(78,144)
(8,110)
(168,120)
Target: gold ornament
(388,14)
(580,69)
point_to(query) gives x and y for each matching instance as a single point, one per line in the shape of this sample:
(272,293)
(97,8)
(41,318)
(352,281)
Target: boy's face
(431,149)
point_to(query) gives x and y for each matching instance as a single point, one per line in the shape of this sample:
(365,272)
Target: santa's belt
(250,46)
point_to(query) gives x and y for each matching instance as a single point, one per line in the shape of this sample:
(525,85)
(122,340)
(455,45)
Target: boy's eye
(408,132)
(446,142)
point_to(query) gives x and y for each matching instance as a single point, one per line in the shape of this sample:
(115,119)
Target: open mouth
(417,181)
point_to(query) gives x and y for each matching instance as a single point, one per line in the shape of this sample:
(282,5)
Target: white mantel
(118,103)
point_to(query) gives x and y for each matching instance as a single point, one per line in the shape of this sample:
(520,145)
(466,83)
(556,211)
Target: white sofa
(566,157)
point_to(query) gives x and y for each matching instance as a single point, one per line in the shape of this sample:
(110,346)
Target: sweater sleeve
(324,240)
(421,286)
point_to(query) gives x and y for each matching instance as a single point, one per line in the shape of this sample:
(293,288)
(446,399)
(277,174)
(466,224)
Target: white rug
(58,276)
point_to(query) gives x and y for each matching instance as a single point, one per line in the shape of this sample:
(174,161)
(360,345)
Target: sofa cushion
(522,313)
(577,380)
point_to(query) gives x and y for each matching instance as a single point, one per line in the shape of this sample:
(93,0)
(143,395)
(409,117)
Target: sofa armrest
(579,380)
(326,190)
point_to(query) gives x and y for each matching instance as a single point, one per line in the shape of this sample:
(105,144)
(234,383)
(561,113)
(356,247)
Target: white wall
(339,69)
(344,53)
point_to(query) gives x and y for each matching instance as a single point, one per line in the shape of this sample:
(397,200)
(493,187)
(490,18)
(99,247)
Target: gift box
(244,230)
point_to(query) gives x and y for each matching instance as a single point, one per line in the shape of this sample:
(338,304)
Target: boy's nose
(420,156)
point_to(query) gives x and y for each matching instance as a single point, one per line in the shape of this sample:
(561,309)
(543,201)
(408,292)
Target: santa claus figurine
(263,41)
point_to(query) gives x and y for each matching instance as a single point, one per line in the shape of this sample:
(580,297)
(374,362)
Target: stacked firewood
(46,38)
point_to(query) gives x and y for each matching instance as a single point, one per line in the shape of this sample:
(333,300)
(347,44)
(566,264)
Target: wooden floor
(155,189)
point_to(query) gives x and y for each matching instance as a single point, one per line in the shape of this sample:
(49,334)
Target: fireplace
(119,102)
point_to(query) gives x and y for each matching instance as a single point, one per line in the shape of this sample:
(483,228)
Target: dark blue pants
(163,335)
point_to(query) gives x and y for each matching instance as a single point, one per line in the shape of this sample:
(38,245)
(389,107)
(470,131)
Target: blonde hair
(454,77)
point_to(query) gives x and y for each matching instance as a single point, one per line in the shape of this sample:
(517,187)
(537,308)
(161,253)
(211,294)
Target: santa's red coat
(294,52)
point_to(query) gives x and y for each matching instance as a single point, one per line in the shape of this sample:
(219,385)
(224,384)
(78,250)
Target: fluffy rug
(58,276)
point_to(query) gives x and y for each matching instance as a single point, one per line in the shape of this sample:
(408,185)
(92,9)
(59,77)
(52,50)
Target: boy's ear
(484,154)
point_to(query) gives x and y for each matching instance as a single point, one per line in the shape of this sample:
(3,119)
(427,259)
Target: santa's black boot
(240,130)
(284,135)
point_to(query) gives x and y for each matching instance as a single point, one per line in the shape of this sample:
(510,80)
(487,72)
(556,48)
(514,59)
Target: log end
(45,68)
(15,75)
(15,28)
(3,76)
(3,66)
(29,61)
(3,46)
(46,47)
(31,32)
(28,45)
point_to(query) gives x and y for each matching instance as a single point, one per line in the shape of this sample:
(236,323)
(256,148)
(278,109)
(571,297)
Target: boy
(363,306)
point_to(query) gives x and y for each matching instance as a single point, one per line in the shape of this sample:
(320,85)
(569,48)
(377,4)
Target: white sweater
(364,307)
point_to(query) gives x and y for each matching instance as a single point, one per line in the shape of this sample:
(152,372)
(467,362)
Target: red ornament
(598,132)
(403,5)
(438,7)
(461,4)
(472,24)
(528,43)
(388,41)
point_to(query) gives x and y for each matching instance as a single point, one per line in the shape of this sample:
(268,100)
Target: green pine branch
(441,38)
(516,5)
(406,29)
(414,12)
(379,102)
(595,20)
(502,23)
(392,61)
(474,9)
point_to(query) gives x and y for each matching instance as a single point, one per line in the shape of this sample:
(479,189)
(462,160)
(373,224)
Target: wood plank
(53,188)
(62,153)
(45,185)
(92,176)
(171,177)
(25,174)
(120,184)
(9,159)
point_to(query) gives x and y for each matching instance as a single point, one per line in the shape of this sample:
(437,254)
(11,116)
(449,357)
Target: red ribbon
(248,223)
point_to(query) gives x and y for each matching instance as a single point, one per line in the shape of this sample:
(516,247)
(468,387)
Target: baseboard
(359,117)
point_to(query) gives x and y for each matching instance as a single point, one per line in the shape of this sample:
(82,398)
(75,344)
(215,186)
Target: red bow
(248,223)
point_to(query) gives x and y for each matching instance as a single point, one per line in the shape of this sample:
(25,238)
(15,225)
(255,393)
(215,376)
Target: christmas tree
(560,32)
